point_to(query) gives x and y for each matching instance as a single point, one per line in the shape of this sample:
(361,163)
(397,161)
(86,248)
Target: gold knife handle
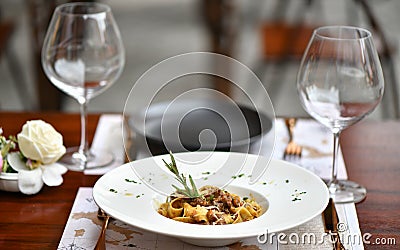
(335,219)
(331,222)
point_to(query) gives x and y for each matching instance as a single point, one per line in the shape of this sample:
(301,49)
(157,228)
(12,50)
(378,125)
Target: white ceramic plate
(290,195)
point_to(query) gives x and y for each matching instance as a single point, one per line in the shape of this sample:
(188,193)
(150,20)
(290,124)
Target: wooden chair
(7,28)
(40,13)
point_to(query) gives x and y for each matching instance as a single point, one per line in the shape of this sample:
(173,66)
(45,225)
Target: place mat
(83,227)
(317,143)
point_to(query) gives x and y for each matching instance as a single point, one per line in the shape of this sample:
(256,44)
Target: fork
(292,149)
(101,242)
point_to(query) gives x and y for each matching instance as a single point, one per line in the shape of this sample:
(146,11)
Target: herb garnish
(128,180)
(237,176)
(297,194)
(190,192)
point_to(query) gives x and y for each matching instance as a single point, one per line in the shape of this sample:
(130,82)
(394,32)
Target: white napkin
(317,142)
(108,138)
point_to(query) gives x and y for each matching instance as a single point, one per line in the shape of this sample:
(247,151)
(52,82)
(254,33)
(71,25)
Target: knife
(331,221)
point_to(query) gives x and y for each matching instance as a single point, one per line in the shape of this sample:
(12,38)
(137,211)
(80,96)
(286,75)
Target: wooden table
(370,150)
(372,155)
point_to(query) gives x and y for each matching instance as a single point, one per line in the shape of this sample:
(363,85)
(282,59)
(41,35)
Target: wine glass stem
(333,181)
(83,147)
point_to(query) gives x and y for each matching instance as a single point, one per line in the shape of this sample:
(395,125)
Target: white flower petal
(60,168)
(30,181)
(52,174)
(28,147)
(15,162)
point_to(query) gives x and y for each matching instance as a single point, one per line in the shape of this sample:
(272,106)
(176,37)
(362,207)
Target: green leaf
(192,191)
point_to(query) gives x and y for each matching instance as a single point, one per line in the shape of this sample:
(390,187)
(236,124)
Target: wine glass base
(74,162)
(344,191)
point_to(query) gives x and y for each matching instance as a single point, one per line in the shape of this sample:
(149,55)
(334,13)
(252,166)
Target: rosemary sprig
(190,192)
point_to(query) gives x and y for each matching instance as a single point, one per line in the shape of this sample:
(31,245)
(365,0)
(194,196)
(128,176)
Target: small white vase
(9,182)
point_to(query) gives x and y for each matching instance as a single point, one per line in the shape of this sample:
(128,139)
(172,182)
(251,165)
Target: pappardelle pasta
(214,206)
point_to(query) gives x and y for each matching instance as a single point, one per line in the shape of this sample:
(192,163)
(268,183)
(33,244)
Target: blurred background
(268,36)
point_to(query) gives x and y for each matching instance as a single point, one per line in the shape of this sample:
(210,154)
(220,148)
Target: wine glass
(340,81)
(83,55)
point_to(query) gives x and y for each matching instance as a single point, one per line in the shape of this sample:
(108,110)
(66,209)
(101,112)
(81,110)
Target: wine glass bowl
(340,81)
(83,55)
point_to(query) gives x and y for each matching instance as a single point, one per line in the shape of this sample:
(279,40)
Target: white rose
(39,141)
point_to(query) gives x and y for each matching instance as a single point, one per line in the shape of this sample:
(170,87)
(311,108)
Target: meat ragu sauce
(214,207)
